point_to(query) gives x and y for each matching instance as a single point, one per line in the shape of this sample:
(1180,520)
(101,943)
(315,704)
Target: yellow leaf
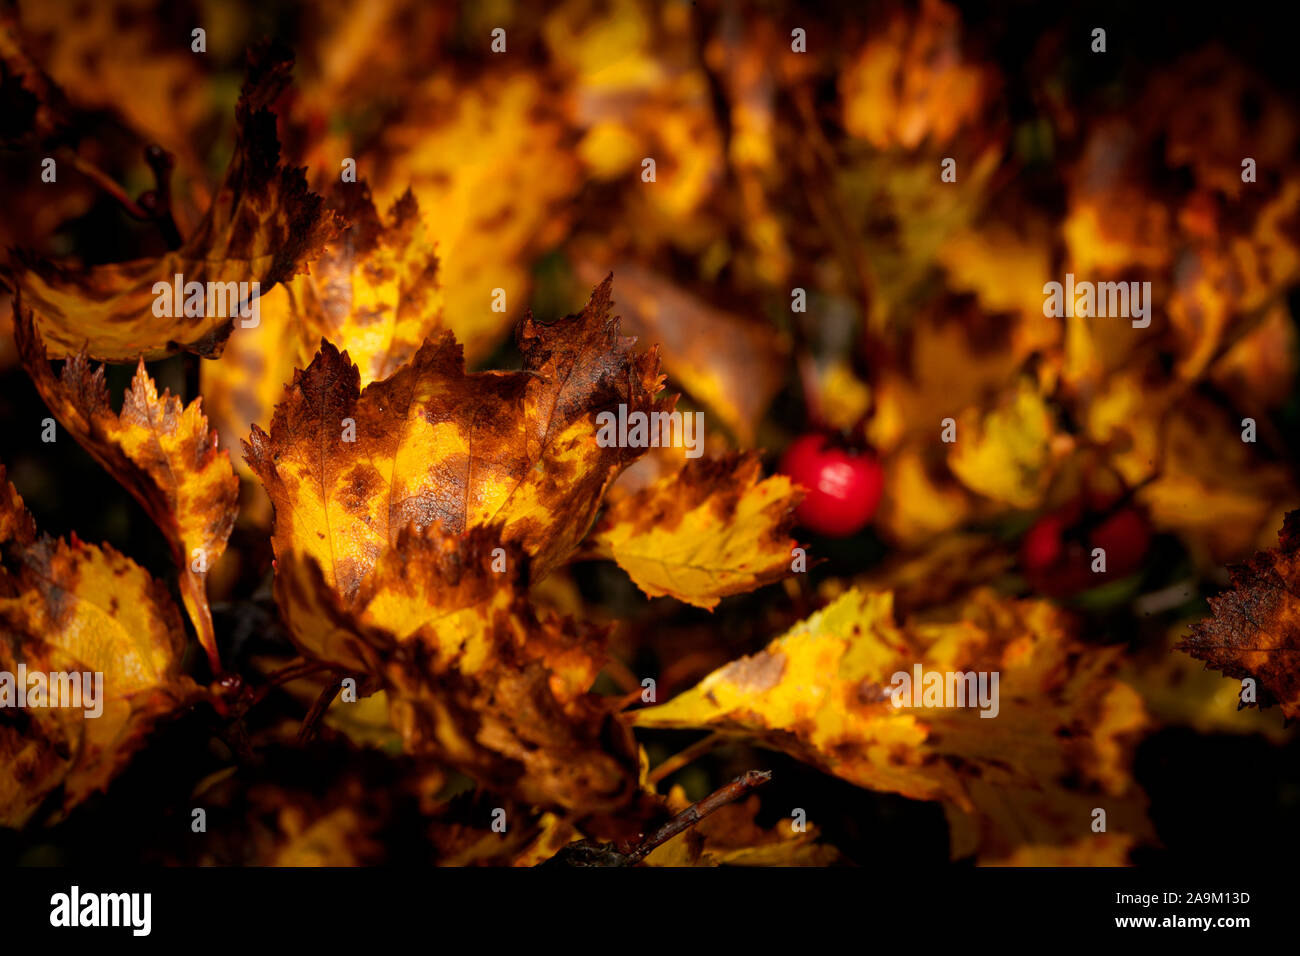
(1058,746)
(1006,454)
(407,552)
(480,682)
(1181,691)
(492,160)
(732,365)
(435,445)
(711,530)
(71,607)
(373,293)
(912,82)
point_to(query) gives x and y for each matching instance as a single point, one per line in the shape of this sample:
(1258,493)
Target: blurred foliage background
(774,171)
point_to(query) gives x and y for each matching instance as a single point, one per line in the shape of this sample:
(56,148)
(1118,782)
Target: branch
(586,853)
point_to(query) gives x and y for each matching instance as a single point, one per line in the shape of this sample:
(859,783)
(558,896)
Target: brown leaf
(161,452)
(1254,630)
(374,293)
(433,444)
(732,364)
(34,108)
(407,552)
(485,685)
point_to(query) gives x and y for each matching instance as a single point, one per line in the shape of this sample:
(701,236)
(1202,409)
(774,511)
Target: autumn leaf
(410,515)
(1254,630)
(241,389)
(162,452)
(922,500)
(374,293)
(114,56)
(262,227)
(480,682)
(711,530)
(1198,478)
(1058,747)
(349,469)
(332,805)
(1006,453)
(952,357)
(913,81)
(474,678)
(68,606)
(1180,691)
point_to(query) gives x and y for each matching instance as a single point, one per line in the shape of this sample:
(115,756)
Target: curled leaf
(374,293)
(163,453)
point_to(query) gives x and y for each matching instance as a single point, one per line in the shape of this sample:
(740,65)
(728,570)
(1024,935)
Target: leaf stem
(327,695)
(109,185)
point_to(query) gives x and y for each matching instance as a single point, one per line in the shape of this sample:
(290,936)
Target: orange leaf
(161,452)
(72,608)
(349,469)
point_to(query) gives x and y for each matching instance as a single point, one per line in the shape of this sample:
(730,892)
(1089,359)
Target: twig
(696,812)
(587,853)
(294,671)
(283,676)
(159,200)
(110,186)
(308,729)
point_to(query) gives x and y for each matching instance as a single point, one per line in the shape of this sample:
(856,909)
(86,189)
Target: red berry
(1126,536)
(1056,553)
(843,485)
